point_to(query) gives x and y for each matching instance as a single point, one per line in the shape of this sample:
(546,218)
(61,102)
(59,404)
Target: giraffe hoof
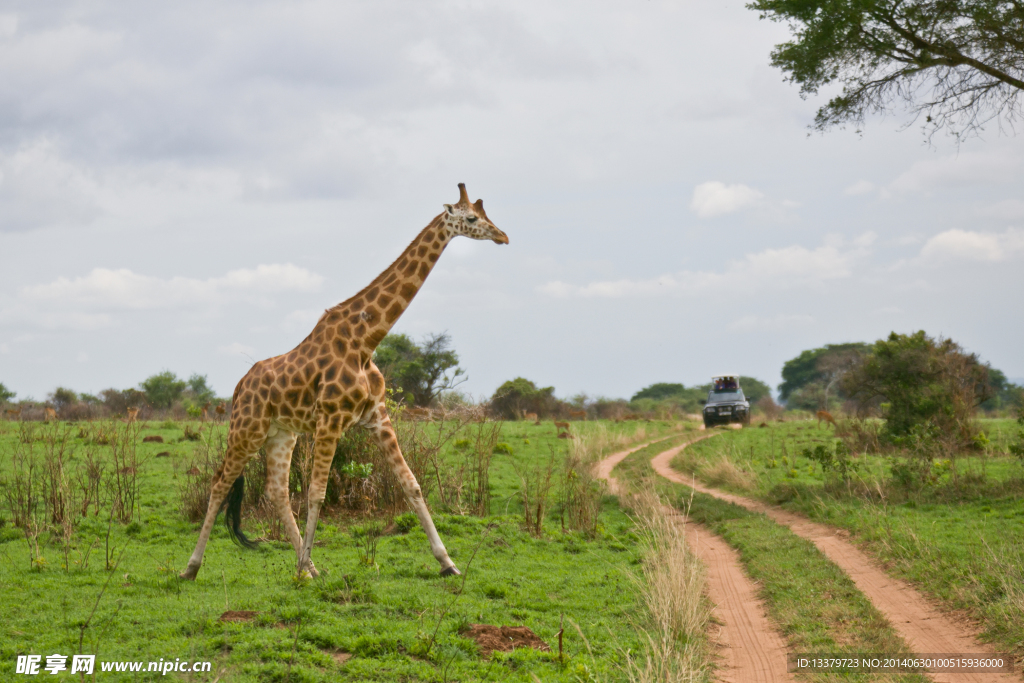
(188,574)
(451,571)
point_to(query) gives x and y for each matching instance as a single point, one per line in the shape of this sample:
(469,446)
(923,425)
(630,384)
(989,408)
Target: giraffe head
(470,220)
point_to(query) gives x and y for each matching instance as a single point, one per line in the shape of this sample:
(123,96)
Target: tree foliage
(63,398)
(811,379)
(668,397)
(6,394)
(421,371)
(754,389)
(1005,394)
(687,399)
(199,391)
(163,389)
(958,62)
(930,387)
(659,391)
(520,395)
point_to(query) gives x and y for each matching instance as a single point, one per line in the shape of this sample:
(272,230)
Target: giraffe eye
(471,219)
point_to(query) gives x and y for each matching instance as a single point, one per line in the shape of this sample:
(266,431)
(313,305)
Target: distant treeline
(163,394)
(425,375)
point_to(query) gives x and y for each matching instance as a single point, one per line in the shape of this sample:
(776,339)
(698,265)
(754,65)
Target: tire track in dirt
(750,648)
(925,629)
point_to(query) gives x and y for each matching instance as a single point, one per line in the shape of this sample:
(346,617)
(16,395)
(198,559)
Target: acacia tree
(520,395)
(421,371)
(163,389)
(810,378)
(958,62)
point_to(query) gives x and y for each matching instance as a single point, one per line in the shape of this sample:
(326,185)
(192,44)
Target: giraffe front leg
(323,454)
(279,459)
(388,443)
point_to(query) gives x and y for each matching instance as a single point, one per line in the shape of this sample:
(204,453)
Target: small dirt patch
(503,638)
(163,454)
(238,616)
(338,656)
(153,438)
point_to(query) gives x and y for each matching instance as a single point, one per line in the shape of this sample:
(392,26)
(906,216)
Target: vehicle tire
(708,425)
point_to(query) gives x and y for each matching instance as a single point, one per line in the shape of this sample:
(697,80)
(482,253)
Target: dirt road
(922,626)
(750,648)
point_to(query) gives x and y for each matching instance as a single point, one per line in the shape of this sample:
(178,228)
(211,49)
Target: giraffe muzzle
(500,237)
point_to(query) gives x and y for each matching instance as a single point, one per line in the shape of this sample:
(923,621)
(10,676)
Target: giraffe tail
(233,513)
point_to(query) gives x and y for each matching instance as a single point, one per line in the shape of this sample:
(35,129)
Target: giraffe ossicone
(327,384)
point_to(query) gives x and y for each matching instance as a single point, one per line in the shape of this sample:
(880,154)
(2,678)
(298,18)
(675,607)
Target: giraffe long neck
(368,316)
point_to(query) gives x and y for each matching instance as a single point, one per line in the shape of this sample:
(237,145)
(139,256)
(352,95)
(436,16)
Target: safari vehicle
(726,403)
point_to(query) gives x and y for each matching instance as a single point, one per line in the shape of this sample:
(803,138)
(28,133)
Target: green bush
(518,396)
(928,389)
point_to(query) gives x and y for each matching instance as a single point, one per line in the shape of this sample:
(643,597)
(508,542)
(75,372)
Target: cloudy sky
(186,186)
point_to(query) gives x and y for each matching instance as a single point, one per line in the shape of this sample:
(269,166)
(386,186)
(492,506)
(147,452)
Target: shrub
(1018,447)
(835,459)
(930,388)
(518,396)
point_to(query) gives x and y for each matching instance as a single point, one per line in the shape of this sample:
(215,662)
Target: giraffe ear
(449,209)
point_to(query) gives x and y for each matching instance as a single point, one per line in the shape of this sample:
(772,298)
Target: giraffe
(327,384)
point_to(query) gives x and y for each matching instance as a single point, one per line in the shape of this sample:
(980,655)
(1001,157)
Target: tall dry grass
(1010,564)
(726,472)
(672,584)
(593,440)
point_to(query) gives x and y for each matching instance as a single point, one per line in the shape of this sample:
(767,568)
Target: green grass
(960,538)
(385,615)
(815,606)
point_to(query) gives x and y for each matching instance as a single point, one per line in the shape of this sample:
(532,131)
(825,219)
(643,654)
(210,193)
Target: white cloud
(966,245)
(122,288)
(1007,210)
(954,171)
(859,187)
(237,349)
(30,313)
(751,323)
(8,25)
(38,188)
(772,268)
(303,319)
(713,198)
(865,239)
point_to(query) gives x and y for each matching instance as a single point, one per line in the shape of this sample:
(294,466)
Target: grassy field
(386,607)
(959,536)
